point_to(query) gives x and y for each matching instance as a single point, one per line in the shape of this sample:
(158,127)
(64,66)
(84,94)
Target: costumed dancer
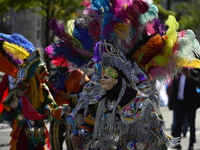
(122,115)
(71,49)
(30,100)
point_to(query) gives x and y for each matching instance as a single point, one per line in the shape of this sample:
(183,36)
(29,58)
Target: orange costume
(71,85)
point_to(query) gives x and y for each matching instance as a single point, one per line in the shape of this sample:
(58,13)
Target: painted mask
(109,80)
(41,74)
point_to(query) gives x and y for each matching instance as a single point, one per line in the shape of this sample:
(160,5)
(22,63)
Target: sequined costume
(137,123)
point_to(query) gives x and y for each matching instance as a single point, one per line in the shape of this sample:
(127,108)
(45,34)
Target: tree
(186,13)
(163,12)
(189,18)
(47,9)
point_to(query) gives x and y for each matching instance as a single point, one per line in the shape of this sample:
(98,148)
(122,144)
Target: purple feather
(159,27)
(97,57)
(59,31)
(49,50)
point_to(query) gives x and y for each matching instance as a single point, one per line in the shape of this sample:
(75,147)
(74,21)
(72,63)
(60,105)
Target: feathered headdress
(162,56)
(134,29)
(124,22)
(19,58)
(76,44)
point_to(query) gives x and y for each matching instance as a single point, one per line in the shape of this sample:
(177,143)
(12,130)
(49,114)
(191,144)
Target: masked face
(42,74)
(109,80)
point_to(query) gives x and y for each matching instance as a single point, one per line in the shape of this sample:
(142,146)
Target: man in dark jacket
(184,100)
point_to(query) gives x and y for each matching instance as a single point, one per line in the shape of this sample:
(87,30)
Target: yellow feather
(16,51)
(183,62)
(171,34)
(70,26)
(121,29)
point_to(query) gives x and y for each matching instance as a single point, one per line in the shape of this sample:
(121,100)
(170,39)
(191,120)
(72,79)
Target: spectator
(184,100)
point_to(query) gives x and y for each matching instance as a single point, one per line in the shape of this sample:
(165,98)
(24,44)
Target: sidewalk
(167,114)
(5,131)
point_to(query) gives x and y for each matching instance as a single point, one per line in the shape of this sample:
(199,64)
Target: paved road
(184,141)
(5,131)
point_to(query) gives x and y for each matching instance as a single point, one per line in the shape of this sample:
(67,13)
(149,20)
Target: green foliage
(165,12)
(158,1)
(61,9)
(5,5)
(189,15)
(186,13)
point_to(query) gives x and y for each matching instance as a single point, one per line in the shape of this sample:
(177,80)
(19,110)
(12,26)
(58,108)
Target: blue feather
(150,15)
(102,6)
(107,27)
(86,40)
(68,53)
(19,40)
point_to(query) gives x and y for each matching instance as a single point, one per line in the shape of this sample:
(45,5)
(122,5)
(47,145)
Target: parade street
(5,131)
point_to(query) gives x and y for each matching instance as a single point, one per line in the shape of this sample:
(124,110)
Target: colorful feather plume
(82,34)
(14,49)
(77,44)
(163,55)
(133,27)
(124,21)
(19,40)
(18,53)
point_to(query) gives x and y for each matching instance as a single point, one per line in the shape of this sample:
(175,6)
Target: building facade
(26,23)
